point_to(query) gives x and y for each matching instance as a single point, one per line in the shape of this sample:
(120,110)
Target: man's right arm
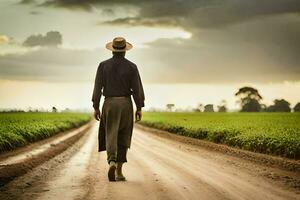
(138,93)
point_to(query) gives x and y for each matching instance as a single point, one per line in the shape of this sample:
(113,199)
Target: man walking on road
(117,79)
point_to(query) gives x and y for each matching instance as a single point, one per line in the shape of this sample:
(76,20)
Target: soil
(160,166)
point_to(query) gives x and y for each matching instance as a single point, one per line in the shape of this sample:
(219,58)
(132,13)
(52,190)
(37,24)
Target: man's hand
(97,114)
(138,115)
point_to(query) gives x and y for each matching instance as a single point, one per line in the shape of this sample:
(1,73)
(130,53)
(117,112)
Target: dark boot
(112,171)
(119,174)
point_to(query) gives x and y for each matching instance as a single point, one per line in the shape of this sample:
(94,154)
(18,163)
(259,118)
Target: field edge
(54,146)
(259,158)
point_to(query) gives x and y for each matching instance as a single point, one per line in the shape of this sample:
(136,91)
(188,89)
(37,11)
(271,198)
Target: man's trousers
(117,116)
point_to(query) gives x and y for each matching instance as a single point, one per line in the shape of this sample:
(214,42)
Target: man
(117,79)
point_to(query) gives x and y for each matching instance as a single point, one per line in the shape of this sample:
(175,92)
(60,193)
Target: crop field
(19,129)
(270,133)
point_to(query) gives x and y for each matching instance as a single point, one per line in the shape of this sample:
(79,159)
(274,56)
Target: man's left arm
(97,92)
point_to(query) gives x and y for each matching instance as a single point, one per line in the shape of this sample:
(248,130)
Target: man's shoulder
(125,61)
(105,61)
(130,63)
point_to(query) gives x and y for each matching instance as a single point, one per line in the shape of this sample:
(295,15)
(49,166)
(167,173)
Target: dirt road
(158,168)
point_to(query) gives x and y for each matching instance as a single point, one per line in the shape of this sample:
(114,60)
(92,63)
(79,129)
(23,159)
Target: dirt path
(158,168)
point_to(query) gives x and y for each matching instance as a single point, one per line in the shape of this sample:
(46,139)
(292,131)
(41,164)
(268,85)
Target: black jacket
(118,76)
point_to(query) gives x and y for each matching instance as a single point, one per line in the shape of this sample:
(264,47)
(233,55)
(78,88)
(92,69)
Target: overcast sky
(195,42)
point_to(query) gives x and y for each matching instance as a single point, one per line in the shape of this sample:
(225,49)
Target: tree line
(250,101)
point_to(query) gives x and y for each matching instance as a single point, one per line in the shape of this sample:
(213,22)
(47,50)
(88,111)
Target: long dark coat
(101,137)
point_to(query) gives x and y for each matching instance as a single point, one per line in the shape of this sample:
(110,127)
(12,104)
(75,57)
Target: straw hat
(118,44)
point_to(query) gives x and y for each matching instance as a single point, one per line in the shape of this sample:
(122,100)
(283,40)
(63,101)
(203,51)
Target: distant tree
(297,107)
(222,107)
(263,108)
(251,105)
(67,110)
(179,110)
(280,105)
(153,109)
(209,108)
(249,99)
(54,109)
(199,108)
(29,109)
(170,106)
(11,111)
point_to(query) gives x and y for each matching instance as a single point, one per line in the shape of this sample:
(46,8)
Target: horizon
(159,96)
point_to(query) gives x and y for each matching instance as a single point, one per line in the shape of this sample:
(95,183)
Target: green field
(19,129)
(271,133)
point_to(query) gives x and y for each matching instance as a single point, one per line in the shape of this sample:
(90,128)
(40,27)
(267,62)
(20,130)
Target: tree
(249,99)
(199,108)
(264,108)
(54,109)
(222,107)
(280,105)
(297,107)
(209,108)
(170,107)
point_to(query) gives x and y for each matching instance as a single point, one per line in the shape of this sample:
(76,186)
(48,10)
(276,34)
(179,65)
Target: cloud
(52,38)
(166,61)
(4,39)
(27,1)
(256,51)
(85,5)
(193,61)
(232,40)
(51,64)
(185,13)
(196,16)
(149,22)
(200,13)
(34,12)
(49,61)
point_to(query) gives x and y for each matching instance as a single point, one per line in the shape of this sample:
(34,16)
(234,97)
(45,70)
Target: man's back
(118,77)
(118,73)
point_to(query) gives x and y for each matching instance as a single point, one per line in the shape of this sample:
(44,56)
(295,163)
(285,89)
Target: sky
(187,51)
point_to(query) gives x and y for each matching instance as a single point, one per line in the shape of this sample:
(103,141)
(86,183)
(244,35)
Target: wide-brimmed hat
(118,44)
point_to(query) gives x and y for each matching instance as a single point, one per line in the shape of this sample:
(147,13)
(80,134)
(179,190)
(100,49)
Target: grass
(19,129)
(270,133)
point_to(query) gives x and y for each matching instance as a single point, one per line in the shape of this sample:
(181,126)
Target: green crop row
(19,129)
(270,133)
